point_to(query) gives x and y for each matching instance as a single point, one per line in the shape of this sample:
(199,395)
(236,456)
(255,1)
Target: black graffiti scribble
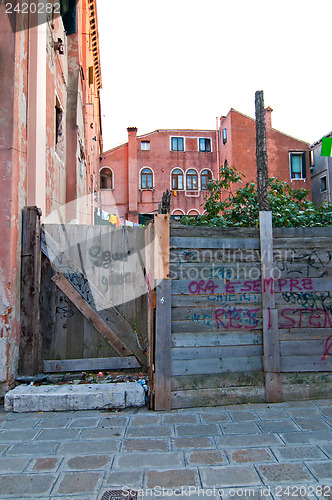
(328,348)
(65,311)
(312,300)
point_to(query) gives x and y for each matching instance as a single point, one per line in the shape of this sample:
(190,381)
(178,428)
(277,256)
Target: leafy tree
(290,207)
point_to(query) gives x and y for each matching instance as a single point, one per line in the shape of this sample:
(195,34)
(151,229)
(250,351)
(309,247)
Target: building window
(224,135)
(58,122)
(206,177)
(177,214)
(106,178)
(323,184)
(297,165)
(177,179)
(192,180)
(146,178)
(204,144)
(177,144)
(193,213)
(145,145)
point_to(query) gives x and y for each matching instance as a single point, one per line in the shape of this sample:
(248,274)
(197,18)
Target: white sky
(181,63)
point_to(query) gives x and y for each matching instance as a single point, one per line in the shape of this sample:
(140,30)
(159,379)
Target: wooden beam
(90,314)
(162,239)
(89,364)
(271,358)
(163,362)
(30,358)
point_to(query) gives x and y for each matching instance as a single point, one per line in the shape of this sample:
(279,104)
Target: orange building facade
(50,139)
(134,175)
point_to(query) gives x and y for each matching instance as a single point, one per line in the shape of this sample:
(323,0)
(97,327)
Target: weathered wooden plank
(162,361)
(90,364)
(31,349)
(212,271)
(162,246)
(216,352)
(202,242)
(89,313)
(214,312)
(178,229)
(219,256)
(305,364)
(302,243)
(47,307)
(217,397)
(296,334)
(149,263)
(315,347)
(216,365)
(300,317)
(63,310)
(302,232)
(211,325)
(75,335)
(223,299)
(309,299)
(206,339)
(271,358)
(217,380)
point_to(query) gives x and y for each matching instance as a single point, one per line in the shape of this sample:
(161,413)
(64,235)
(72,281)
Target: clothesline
(114,220)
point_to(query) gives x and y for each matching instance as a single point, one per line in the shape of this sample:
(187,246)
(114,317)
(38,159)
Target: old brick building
(134,176)
(50,136)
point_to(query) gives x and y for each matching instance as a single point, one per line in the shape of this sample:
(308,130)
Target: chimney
(132,173)
(268,117)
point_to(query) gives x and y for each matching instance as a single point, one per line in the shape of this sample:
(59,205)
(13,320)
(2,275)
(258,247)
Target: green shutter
(304,166)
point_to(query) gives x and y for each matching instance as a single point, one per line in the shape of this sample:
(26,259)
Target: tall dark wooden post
(30,359)
(261,155)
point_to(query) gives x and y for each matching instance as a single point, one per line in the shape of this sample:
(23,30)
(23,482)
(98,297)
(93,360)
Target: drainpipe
(328,177)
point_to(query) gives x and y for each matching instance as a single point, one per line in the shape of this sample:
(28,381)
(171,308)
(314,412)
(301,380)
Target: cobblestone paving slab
(248,451)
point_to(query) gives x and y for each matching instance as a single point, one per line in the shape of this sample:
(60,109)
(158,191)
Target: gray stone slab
(145,420)
(58,435)
(148,459)
(10,415)
(115,421)
(87,462)
(303,412)
(89,447)
(26,485)
(180,419)
(122,478)
(216,417)
(296,404)
(311,424)
(151,431)
(53,423)
(102,433)
(271,414)
(295,492)
(322,470)
(171,478)
(254,440)
(197,430)
(284,453)
(78,482)
(260,493)
(327,448)
(193,443)
(250,455)
(33,449)
(3,447)
(288,473)
(28,423)
(84,422)
(278,426)
(240,428)
(13,464)
(222,477)
(149,444)
(327,412)
(323,402)
(241,416)
(17,435)
(206,457)
(314,437)
(44,464)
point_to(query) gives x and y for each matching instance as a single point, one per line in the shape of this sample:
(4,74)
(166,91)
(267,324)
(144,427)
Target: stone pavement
(274,451)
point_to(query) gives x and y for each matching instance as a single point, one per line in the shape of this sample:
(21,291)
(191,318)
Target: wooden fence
(251,315)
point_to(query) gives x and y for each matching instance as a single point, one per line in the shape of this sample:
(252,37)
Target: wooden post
(261,155)
(31,354)
(162,356)
(271,357)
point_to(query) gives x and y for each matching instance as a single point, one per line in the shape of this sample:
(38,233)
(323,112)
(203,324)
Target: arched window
(192,179)
(193,212)
(146,178)
(206,177)
(177,214)
(177,179)
(106,178)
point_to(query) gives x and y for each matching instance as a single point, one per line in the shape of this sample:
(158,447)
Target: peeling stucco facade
(49,151)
